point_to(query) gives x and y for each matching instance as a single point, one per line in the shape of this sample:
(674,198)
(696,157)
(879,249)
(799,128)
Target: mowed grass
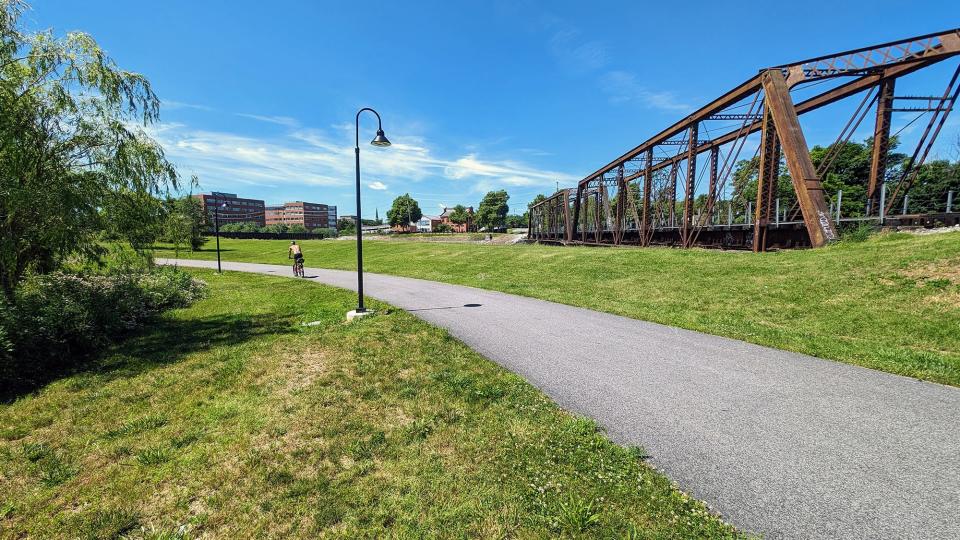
(890,303)
(230,419)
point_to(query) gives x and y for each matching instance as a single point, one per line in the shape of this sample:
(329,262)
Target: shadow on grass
(157,249)
(165,340)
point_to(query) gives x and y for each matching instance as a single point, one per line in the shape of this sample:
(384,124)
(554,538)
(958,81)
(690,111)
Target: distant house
(428,223)
(457,227)
(406,228)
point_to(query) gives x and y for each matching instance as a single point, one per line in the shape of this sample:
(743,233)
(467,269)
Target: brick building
(309,215)
(457,227)
(237,210)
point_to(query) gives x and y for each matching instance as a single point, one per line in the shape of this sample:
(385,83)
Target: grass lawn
(231,419)
(891,303)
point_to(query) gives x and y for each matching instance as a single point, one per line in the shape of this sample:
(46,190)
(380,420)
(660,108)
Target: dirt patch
(941,277)
(948,269)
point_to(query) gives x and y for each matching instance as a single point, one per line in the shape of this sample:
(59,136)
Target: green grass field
(230,419)
(890,303)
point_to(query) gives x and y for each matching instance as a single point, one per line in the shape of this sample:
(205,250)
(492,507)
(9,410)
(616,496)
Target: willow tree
(74,154)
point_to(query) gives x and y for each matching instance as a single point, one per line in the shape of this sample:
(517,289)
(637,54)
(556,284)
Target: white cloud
(591,57)
(312,157)
(623,87)
(567,45)
(503,173)
(172,105)
(280,120)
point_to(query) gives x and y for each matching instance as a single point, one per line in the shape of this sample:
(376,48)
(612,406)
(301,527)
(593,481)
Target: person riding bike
(294,253)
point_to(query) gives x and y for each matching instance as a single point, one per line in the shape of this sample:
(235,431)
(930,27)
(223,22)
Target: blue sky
(259,97)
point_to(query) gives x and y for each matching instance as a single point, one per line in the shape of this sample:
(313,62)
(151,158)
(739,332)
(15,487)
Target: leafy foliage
(459,215)
(346,226)
(849,172)
(405,210)
(184,223)
(72,143)
(514,221)
(539,198)
(493,209)
(275,228)
(61,318)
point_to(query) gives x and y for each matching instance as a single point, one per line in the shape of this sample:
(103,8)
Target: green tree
(459,215)
(72,144)
(184,222)
(515,221)
(848,171)
(346,226)
(931,185)
(539,198)
(274,228)
(404,211)
(492,212)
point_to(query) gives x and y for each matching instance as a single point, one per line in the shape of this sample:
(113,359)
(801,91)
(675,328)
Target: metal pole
(746,218)
(883,202)
(216,228)
(729,213)
(839,203)
(777,211)
(906,198)
(360,306)
(359,222)
(949,201)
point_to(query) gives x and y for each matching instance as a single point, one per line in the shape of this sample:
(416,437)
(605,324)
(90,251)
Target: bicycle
(298,266)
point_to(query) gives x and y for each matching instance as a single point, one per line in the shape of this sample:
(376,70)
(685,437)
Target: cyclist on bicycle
(294,253)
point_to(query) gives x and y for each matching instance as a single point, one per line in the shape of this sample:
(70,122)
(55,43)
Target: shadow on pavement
(447,307)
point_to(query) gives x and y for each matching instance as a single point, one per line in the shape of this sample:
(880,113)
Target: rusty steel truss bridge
(635,199)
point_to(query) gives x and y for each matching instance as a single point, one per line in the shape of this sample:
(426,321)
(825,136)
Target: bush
(58,320)
(859,233)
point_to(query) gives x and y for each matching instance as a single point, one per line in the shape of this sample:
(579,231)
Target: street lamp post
(379,140)
(216,229)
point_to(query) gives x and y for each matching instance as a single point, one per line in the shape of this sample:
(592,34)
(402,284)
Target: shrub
(443,228)
(859,233)
(58,320)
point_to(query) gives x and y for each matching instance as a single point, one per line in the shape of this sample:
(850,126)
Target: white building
(427,223)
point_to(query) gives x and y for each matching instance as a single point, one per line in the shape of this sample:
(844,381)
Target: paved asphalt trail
(779,443)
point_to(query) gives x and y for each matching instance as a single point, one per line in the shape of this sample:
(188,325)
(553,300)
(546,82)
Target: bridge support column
(806,183)
(881,141)
(686,231)
(645,231)
(766,182)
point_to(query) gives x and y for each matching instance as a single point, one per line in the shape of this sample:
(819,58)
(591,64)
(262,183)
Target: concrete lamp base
(351,315)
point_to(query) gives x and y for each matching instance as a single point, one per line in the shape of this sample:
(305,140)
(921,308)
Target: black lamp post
(216,228)
(379,140)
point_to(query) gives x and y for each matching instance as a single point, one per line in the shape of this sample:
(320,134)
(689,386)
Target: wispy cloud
(623,87)
(509,173)
(586,56)
(567,44)
(279,120)
(313,157)
(172,105)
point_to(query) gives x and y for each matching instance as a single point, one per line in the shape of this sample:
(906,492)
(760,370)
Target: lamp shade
(380,139)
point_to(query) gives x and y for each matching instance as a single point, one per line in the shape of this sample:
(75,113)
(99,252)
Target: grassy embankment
(891,303)
(231,419)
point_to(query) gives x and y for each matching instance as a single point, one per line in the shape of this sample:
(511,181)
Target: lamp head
(380,140)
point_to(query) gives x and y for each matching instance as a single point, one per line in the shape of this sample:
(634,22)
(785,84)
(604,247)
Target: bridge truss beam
(626,202)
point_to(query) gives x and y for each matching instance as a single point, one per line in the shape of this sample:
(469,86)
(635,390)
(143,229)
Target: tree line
(492,214)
